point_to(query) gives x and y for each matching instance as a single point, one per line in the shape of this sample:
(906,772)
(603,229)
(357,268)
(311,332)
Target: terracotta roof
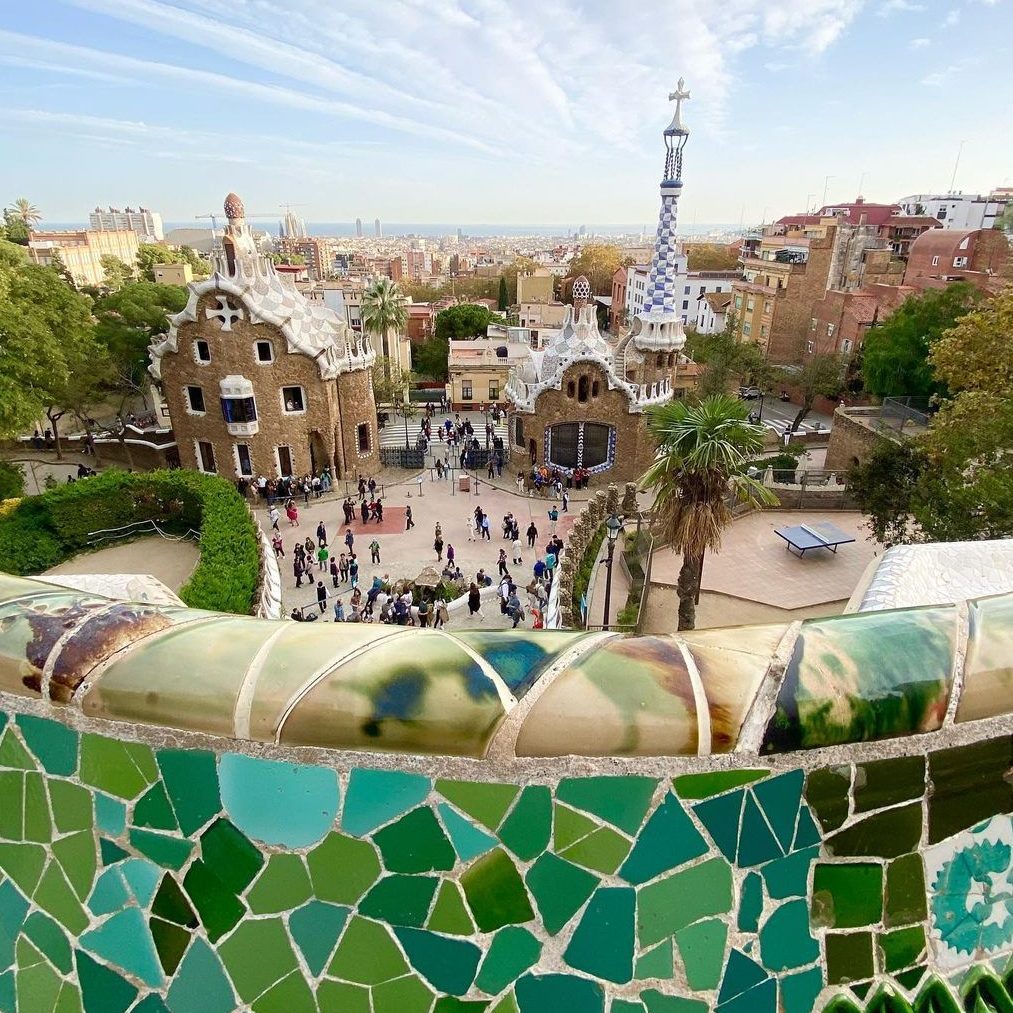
(942,242)
(718,300)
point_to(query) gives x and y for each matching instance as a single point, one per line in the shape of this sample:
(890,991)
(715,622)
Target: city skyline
(478,113)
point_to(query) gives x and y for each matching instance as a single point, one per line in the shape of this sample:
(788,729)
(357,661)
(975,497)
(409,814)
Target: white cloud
(941,78)
(919,43)
(952,18)
(899,6)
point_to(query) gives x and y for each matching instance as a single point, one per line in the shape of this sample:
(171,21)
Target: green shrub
(12,481)
(43,530)
(582,576)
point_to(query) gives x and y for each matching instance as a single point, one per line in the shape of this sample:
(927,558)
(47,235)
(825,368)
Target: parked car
(749,393)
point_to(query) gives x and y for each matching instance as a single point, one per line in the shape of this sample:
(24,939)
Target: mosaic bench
(201,813)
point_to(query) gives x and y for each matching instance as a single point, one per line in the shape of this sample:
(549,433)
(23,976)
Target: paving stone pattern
(143,879)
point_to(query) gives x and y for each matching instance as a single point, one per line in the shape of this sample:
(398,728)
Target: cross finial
(677,96)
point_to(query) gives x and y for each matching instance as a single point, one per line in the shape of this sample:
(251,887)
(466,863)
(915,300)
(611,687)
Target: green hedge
(582,576)
(44,530)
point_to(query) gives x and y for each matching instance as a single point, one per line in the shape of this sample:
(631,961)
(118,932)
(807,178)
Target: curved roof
(944,242)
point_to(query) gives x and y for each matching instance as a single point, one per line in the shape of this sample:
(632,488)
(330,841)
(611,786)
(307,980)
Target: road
(777,414)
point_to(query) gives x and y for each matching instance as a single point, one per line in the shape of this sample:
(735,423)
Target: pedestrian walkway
(170,560)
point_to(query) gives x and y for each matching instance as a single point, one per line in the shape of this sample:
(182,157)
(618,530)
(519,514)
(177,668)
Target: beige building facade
(535,286)
(82,250)
(260,381)
(173,274)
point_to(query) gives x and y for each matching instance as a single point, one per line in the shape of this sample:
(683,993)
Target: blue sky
(513,111)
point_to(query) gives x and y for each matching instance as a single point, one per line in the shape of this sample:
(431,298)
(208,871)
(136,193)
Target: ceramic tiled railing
(756,820)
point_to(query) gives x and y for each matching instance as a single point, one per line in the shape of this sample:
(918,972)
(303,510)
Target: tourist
(425,610)
(362,488)
(292,513)
(298,569)
(517,558)
(409,522)
(315,483)
(514,608)
(520,483)
(374,551)
(321,534)
(322,556)
(566,501)
(450,554)
(364,511)
(371,485)
(379,511)
(532,534)
(553,517)
(307,488)
(482,579)
(339,611)
(550,565)
(349,511)
(343,567)
(502,562)
(438,545)
(471,528)
(475,602)
(539,569)
(273,516)
(321,596)
(349,538)
(485,528)
(276,544)
(310,547)
(353,571)
(440,614)
(335,573)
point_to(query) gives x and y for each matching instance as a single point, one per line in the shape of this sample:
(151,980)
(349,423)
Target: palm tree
(699,472)
(24,209)
(384,314)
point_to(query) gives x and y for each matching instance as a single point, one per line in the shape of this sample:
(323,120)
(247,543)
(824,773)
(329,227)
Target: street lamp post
(612,528)
(759,417)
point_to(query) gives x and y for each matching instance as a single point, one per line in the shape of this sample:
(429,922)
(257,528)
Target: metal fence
(402,457)
(904,414)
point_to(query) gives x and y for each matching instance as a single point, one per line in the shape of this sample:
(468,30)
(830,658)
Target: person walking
(514,609)
(425,610)
(323,554)
(409,522)
(440,614)
(450,555)
(349,539)
(335,573)
(532,534)
(520,483)
(364,512)
(502,562)
(475,601)
(292,513)
(471,527)
(379,511)
(273,516)
(321,534)
(438,547)
(374,551)
(553,517)
(276,544)
(485,528)
(339,611)
(517,551)
(343,567)
(353,571)
(298,569)
(321,597)
(566,501)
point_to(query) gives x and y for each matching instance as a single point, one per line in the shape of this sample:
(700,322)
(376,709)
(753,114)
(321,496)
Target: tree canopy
(711,257)
(151,254)
(466,320)
(431,358)
(117,274)
(819,375)
(727,362)
(598,262)
(895,360)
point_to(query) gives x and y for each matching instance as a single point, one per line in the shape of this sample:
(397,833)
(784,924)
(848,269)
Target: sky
(498,111)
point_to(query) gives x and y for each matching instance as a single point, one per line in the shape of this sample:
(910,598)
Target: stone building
(261,381)
(579,402)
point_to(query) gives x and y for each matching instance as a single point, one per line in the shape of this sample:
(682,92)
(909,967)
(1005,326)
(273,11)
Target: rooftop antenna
(861,181)
(826,185)
(956,162)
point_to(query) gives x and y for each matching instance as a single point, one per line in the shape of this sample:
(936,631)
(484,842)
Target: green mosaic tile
(827,792)
(527,829)
(54,744)
(722,817)
(621,801)
(508,1004)
(702,948)
(684,897)
(153,810)
(559,889)
(290,995)
(785,941)
(12,812)
(415,843)
(315,929)
(750,903)
(71,805)
(110,892)
(342,868)
(172,905)
(799,991)
(13,909)
(55,896)
(400,900)
(905,900)
(69,1001)
(910,979)
(38,819)
(487,803)
(697,786)
(969,785)
(757,843)
(887,782)
(887,999)
(102,989)
(603,850)
(13,754)
(569,827)
(111,852)
(901,948)
(339,997)
(450,915)
(125,940)
(807,833)
(551,993)
(367,955)
(883,835)
(191,782)
(403,995)
(232,857)
(669,839)
(110,814)
(451,1004)
(200,985)
(169,852)
(603,942)
(23,863)
(171,942)
(469,842)
(38,985)
(257,955)
(8,996)
(742,975)
(658,1002)
(449,965)
(842,1004)
(123,769)
(656,963)
(219,908)
(983,989)
(283,884)
(375,797)
(847,896)
(779,798)
(789,876)
(495,892)
(849,957)
(49,939)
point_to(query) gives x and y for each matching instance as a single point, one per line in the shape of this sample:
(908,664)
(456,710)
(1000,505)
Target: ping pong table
(802,537)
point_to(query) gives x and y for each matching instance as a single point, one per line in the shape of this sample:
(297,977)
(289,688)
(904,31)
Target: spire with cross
(677,96)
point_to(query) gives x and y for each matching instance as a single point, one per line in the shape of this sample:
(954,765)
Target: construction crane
(215,215)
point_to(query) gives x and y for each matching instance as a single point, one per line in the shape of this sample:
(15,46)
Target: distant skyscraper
(582,230)
(460,235)
(377,229)
(358,227)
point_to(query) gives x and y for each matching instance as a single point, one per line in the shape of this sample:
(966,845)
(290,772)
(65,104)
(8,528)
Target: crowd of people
(291,487)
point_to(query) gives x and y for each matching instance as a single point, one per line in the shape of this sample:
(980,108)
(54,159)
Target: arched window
(660,360)
(595,387)
(582,387)
(671,359)
(570,389)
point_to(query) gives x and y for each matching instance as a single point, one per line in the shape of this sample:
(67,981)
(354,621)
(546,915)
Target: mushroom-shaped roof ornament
(234,207)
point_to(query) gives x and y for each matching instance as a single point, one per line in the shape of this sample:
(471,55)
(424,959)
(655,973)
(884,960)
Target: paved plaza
(170,560)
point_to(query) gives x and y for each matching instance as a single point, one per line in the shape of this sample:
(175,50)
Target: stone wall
(851,440)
